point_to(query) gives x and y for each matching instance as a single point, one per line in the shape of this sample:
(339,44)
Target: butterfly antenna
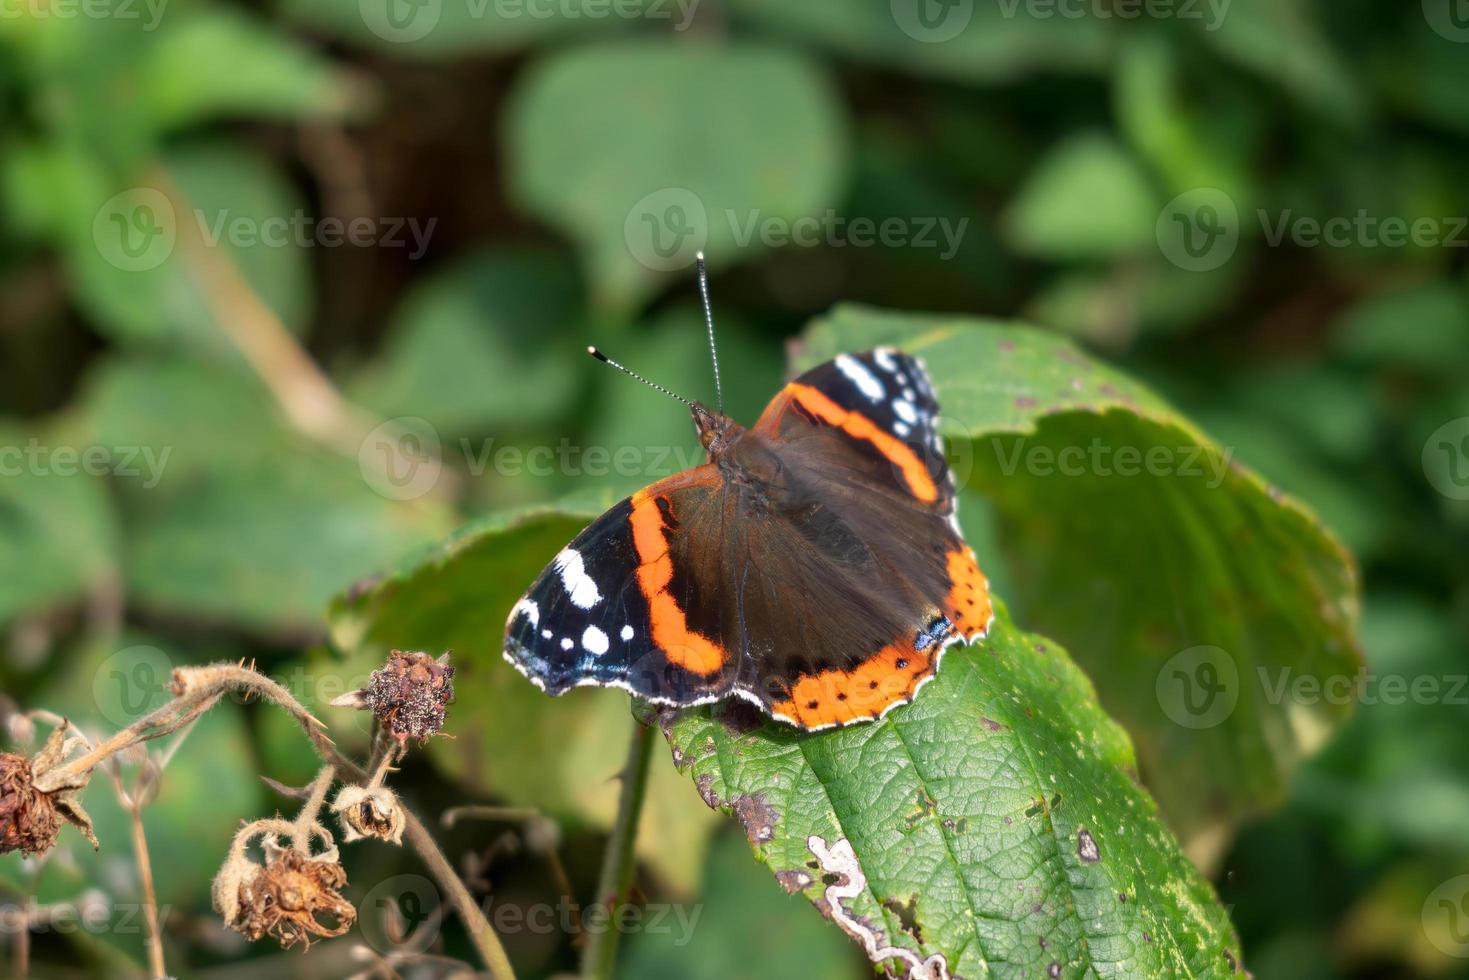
(709,322)
(635,376)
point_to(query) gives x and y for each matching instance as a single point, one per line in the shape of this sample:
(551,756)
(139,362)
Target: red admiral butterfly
(813,566)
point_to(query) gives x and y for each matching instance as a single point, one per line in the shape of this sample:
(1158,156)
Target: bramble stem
(618,864)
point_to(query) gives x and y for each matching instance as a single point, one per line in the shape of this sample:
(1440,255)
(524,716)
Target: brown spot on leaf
(1086,847)
(757,816)
(793,880)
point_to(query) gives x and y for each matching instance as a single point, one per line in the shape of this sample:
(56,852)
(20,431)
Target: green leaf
(742,928)
(995,822)
(510,740)
(695,146)
(1419,327)
(57,533)
(263,535)
(124,254)
(1141,573)
(968,41)
(1088,199)
(480,345)
(268,74)
(443,29)
(1284,42)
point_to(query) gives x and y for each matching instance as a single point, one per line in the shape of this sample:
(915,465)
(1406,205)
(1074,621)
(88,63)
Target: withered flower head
(369,812)
(37,794)
(409,694)
(28,819)
(294,897)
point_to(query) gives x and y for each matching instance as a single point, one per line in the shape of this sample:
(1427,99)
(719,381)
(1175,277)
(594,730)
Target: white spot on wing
(905,411)
(858,374)
(627,632)
(594,640)
(901,428)
(566,643)
(884,358)
(546,634)
(529,610)
(579,586)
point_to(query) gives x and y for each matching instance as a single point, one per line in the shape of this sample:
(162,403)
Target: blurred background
(290,290)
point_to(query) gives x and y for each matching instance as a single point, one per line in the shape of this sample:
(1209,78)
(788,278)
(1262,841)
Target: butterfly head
(717,431)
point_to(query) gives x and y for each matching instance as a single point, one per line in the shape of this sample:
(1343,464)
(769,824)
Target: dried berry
(409,695)
(295,897)
(28,819)
(369,812)
(37,794)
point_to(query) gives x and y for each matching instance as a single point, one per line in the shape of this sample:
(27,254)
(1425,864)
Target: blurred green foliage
(177,185)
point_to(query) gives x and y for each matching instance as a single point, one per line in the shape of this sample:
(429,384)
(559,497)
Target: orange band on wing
(670,628)
(915,473)
(837,697)
(968,601)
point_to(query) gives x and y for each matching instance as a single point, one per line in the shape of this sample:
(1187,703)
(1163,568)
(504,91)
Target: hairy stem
(617,863)
(156,967)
